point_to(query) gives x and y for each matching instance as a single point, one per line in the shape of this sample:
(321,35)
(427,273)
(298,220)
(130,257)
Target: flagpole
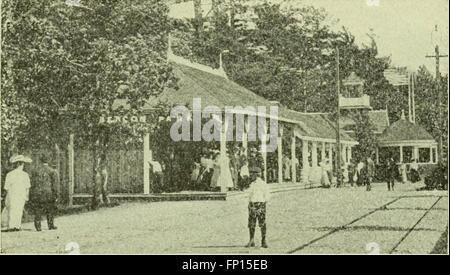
(409,97)
(412,97)
(338,117)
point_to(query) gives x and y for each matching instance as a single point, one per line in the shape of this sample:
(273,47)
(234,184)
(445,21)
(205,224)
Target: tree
(364,134)
(283,53)
(74,63)
(427,108)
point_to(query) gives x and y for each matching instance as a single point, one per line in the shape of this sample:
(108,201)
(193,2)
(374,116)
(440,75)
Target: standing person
(402,168)
(44,194)
(258,197)
(295,165)
(195,175)
(234,164)
(324,180)
(225,178)
(359,176)
(244,175)
(414,171)
(344,170)
(255,159)
(286,168)
(351,172)
(216,171)
(206,169)
(370,170)
(391,170)
(17,186)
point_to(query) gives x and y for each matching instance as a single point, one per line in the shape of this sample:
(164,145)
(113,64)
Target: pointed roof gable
(216,90)
(404,131)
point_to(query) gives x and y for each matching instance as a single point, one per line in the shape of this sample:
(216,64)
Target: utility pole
(439,105)
(338,130)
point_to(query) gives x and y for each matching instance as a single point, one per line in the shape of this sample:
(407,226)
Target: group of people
(38,193)
(216,170)
(362,173)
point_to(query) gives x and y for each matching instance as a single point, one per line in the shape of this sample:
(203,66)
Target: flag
(396,77)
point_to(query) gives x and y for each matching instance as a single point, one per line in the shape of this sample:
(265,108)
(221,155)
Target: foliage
(438,178)
(427,109)
(364,134)
(64,67)
(284,53)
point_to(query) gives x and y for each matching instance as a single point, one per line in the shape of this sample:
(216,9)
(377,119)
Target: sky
(403,28)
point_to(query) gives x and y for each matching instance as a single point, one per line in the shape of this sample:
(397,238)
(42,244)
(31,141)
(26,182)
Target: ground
(313,221)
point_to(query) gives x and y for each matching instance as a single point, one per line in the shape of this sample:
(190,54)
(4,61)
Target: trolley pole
(338,129)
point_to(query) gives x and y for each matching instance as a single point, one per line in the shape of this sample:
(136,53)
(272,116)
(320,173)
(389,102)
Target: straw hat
(21,158)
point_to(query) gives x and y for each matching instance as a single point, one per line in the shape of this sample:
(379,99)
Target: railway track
(365,216)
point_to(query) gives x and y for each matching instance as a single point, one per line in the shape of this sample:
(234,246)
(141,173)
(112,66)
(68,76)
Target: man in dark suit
(44,193)
(391,172)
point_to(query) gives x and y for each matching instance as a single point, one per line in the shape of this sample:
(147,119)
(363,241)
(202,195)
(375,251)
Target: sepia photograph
(224,127)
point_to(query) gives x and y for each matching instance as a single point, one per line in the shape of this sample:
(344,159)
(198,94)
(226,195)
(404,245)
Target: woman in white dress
(324,180)
(216,173)
(402,168)
(225,178)
(17,186)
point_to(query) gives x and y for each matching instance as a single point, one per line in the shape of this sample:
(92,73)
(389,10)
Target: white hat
(21,158)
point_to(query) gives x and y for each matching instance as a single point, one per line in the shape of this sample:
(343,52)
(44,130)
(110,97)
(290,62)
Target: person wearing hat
(414,171)
(258,197)
(17,186)
(44,193)
(391,168)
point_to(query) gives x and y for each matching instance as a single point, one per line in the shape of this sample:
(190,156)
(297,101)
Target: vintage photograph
(224,127)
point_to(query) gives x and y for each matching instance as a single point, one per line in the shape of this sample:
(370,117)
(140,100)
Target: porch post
(416,153)
(293,162)
(431,154)
(70,149)
(322,151)
(305,162)
(146,149)
(350,153)
(330,154)
(223,149)
(314,154)
(280,154)
(245,137)
(264,155)
(401,154)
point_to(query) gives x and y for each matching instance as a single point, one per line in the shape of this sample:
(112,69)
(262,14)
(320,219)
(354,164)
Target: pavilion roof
(404,131)
(214,89)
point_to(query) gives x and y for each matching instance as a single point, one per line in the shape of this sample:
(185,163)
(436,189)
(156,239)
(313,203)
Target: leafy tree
(72,63)
(364,134)
(283,53)
(427,107)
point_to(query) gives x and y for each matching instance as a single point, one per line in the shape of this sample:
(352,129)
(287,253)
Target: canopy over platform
(214,89)
(406,133)
(407,143)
